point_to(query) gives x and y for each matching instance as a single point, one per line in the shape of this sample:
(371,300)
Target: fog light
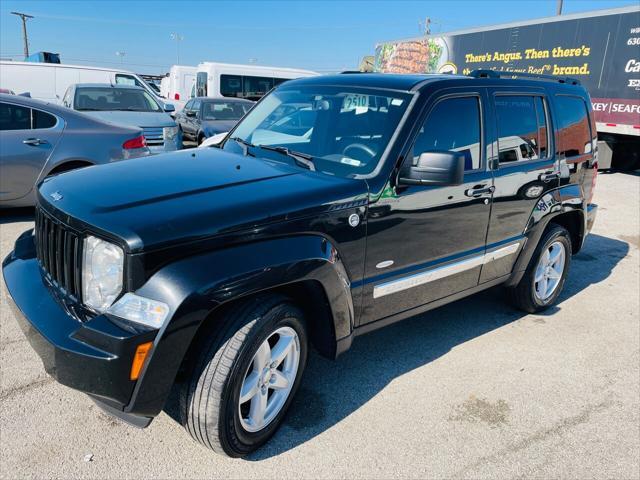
(140,310)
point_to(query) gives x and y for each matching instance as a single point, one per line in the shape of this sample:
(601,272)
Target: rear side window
(573,124)
(522,128)
(43,120)
(454,125)
(14,117)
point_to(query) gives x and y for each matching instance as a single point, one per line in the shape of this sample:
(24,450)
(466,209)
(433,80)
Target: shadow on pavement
(333,390)
(14,215)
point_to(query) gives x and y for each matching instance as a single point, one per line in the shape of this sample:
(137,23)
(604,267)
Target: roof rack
(483,73)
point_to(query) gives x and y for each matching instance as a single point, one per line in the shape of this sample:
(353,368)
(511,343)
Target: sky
(325,36)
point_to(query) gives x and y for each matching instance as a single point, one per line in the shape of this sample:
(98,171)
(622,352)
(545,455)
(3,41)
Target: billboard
(602,51)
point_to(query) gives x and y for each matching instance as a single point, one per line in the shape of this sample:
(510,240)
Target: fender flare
(196,286)
(561,201)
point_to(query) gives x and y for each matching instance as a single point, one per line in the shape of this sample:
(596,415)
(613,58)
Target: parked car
(203,117)
(213,271)
(40,139)
(127,105)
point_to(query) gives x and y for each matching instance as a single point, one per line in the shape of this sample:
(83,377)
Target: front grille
(59,252)
(154,136)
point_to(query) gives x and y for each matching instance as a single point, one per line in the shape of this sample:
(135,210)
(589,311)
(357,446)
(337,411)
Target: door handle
(34,141)
(479,190)
(549,176)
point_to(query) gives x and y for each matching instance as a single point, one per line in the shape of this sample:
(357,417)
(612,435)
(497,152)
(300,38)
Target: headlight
(101,273)
(140,310)
(170,132)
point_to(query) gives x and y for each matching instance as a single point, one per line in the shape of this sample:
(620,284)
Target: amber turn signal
(138,359)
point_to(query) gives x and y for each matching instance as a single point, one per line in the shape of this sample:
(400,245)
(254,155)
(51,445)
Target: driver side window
(453,125)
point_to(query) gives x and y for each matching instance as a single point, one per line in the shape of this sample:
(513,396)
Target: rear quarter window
(43,120)
(573,126)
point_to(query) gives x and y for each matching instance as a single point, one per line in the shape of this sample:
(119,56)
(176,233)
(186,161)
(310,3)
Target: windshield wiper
(303,158)
(245,145)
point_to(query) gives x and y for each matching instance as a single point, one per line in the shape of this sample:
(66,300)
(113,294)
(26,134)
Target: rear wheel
(245,379)
(546,273)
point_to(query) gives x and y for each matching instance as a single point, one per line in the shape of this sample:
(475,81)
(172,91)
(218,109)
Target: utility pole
(178,38)
(24,18)
(425,28)
(559,7)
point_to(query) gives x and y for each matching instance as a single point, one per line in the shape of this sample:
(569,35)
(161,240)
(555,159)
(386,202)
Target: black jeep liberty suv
(338,205)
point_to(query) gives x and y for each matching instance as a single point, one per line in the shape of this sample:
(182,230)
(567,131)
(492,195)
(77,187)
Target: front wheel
(245,380)
(546,273)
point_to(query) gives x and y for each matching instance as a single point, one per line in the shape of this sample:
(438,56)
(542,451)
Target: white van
(241,81)
(180,80)
(49,81)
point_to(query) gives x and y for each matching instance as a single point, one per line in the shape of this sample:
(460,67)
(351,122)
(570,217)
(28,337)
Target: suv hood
(190,195)
(134,119)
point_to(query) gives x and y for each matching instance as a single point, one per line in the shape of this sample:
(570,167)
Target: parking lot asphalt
(473,389)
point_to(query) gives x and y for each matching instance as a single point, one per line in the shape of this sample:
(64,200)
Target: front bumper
(92,356)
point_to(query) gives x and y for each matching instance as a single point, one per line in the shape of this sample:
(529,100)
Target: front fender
(552,204)
(194,287)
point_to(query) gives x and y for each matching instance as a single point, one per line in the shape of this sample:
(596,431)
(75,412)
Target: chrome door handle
(479,190)
(548,176)
(34,141)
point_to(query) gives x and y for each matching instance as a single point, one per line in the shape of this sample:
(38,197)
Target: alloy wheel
(269,379)
(549,271)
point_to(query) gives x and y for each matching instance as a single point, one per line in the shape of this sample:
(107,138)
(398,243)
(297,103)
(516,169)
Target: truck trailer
(600,48)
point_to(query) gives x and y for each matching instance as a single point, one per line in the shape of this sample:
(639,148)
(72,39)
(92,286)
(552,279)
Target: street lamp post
(178,38)
(121,55)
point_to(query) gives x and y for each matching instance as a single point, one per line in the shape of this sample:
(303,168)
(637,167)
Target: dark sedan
(203,117)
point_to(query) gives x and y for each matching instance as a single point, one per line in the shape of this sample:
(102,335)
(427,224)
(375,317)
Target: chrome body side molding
(414,280)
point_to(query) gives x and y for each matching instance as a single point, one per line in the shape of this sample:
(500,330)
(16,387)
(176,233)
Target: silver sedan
(38,139)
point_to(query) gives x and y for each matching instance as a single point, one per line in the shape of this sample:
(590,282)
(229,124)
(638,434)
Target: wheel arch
(563,206)
(306,269)
(68,165)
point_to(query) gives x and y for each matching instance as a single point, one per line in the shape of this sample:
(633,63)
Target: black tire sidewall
(557,234)
(234,438)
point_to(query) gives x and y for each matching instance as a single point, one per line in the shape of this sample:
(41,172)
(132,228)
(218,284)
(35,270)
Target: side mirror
(435,168)
(190,113)
(169,107)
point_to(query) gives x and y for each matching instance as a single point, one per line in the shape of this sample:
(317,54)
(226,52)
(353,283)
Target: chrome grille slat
(58,249)
(154,135)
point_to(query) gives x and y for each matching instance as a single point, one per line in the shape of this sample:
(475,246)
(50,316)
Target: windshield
(109,98)
(344,129)
(224,110)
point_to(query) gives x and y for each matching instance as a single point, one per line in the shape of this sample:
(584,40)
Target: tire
(210,398)
(529,295)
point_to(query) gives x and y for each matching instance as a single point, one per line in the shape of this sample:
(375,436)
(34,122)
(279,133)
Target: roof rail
(483,73)
(346,72)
